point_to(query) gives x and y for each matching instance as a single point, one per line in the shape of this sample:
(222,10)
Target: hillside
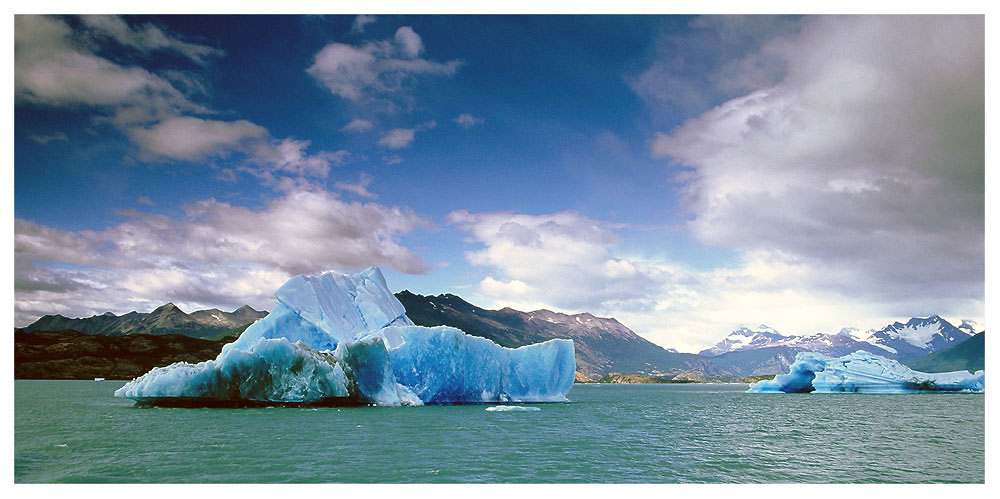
(757,362)
(75,355)
(969,355)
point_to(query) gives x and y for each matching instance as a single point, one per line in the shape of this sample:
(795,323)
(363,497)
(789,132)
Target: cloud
(468,121)
(397,138)
(189,138)
(360,188)
(289,156)
(717,58)
(52,68)
(215,254)
(145,38)
(540,257)
(375,69)
(57,65)
(145,200)
(45,139)
(401,138)
(358,125)
(865,161)
(358,26)
(409,42)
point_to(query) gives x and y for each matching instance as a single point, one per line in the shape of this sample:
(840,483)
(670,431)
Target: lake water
(76,431)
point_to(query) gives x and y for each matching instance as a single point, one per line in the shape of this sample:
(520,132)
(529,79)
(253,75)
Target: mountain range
(901,341)
(165,319)
(603,345)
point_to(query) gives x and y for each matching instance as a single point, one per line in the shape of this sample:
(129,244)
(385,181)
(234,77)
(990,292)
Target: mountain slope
(602,345)
(969,355)
(165,319)
(757,362)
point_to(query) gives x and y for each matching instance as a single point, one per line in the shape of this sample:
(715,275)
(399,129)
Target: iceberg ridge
(864,372)
(344,339)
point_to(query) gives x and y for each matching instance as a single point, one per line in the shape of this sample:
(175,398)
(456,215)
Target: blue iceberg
(344,339)
(864,372)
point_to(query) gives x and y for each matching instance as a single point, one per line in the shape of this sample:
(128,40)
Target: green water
(76,431)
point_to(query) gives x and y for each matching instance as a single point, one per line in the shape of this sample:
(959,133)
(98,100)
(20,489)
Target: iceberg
(864,372)
(344,339)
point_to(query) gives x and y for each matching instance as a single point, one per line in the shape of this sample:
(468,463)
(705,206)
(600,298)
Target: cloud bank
(216,254)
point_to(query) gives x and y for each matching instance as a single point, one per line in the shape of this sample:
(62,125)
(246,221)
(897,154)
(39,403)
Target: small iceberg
(864,372)
(511,408)
(344,339)
(98,379)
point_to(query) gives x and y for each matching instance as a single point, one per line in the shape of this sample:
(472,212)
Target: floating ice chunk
(511,408)
(443,365)
(864,372)
(345,339)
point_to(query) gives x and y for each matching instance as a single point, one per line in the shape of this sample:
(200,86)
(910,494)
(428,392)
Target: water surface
(76,431)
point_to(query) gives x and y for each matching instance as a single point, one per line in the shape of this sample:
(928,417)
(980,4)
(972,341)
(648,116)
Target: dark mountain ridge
(165,319)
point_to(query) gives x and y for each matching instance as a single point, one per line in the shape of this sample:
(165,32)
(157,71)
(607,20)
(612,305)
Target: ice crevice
(344,339)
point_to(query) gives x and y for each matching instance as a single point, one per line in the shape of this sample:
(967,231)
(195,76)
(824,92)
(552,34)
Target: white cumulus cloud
(375,69)
(467,121)
(401,138)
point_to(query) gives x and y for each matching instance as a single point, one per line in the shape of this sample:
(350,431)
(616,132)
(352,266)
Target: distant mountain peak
(166,307)
(245,308)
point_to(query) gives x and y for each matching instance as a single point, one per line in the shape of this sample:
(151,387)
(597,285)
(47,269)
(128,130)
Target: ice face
(323,311)
(345,339)
(864,372)
(443,365)
(276,371)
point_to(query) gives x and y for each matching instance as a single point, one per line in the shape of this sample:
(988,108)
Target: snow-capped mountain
(745,338)
(917,337)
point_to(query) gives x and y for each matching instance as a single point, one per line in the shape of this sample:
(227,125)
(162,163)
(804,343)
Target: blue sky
(683,174)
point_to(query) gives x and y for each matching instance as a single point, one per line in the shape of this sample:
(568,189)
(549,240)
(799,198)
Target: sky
(683,174)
